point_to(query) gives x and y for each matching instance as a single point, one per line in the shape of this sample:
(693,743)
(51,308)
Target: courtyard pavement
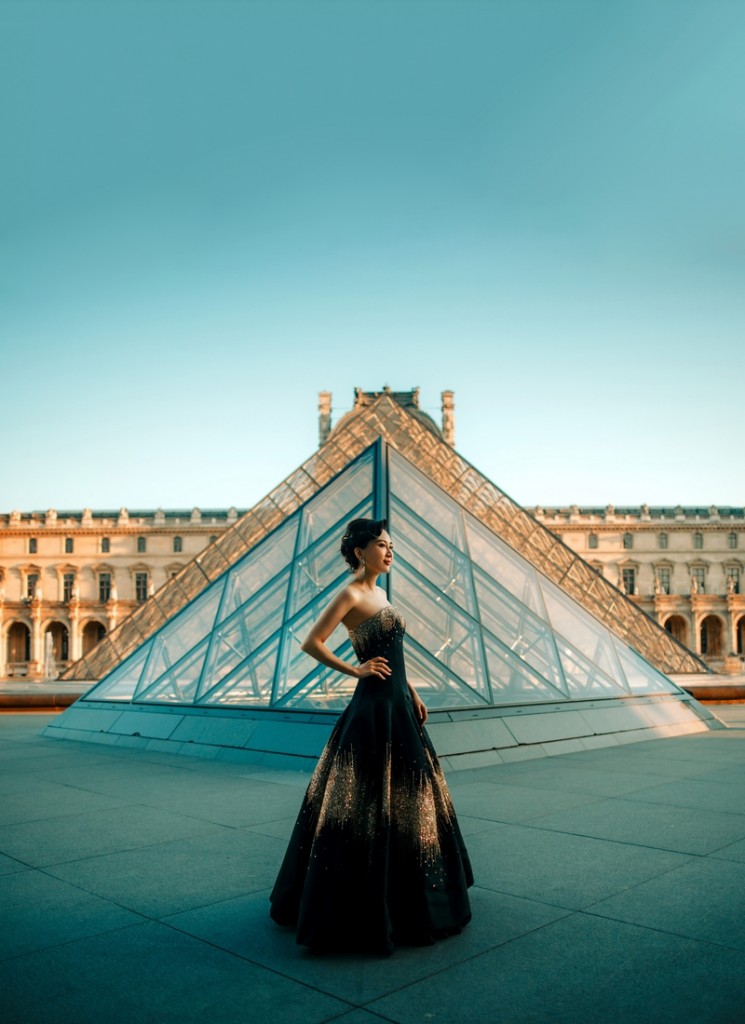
(609,888)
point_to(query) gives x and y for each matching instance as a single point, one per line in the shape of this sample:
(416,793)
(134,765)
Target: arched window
(178,545)
(677,625)
(592,540)
(711,636)
(141,545)
(662,541)
(92,632)
(732,540)
(19,643)
(105,545)
(698,540)
(628,540)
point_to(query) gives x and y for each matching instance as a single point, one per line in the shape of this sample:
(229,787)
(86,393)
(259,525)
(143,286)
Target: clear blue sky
(213,210)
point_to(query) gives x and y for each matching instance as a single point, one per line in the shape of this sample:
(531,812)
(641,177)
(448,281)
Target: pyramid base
(463,739)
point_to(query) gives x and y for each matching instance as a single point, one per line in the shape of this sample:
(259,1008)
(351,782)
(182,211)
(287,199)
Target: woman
(376,857)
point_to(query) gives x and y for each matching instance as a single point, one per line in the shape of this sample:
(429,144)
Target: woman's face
(378,553)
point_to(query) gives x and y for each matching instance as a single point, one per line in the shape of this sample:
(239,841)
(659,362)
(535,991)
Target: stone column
(36,664)
(3,639)
(732,610)
(73,610)
(112,613)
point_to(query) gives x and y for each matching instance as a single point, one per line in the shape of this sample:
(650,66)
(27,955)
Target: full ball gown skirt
(376,857)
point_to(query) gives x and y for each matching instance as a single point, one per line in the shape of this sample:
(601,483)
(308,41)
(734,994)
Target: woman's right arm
(315,642)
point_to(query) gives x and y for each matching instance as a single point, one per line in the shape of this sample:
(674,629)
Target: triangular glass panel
(513,681)
(640,675)
(179,684)
(520,631)
(584,633)
(320,566)
(122,682)
(323,689)
(337,502)
(295,664)
(441,628)
(250,684)
(438,687)
(427,499)
(444,565)
(258,567)
(190,626)
(510,570)
(234,639)
(584,677)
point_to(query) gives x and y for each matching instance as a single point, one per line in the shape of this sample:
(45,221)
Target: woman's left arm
(419,706)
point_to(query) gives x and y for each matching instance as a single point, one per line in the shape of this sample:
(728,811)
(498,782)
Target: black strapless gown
(376,857)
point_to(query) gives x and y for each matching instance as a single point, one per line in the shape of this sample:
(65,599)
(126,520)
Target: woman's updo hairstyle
(358,534)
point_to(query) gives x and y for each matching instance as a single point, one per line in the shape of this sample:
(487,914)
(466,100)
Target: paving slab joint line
(373,1013)
(258,963)
(146,918)
(662,931)
(621,842)
(74,938)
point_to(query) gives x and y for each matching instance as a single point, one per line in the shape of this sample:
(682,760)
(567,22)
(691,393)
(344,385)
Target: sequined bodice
(375,635)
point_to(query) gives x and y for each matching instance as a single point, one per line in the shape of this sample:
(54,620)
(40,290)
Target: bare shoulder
(348,598)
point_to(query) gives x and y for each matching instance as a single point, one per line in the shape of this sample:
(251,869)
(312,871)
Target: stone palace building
(67,578)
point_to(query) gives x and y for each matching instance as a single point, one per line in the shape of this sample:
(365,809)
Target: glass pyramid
(484,627)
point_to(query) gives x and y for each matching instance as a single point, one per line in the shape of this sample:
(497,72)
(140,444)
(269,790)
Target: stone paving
(609,888)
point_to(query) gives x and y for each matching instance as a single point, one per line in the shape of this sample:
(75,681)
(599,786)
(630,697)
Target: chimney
(448,418)
(324,416)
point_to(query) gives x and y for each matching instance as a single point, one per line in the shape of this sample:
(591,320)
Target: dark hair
(358,534)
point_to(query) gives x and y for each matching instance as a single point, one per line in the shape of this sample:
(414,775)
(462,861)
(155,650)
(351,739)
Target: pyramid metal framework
(281,557)
(485,627)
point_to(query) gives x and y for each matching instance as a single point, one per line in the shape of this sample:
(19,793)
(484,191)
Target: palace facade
(683,566)
(68,578)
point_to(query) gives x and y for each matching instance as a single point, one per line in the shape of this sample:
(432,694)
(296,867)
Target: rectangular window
(699,575)
(33,546)
(31,580)
(105,545)
(662,540)
(663,577)
(141,545)
(592,540)
(141,586)
(69,545)
(732,572)
(104,587)
(68,586)
(629,581)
